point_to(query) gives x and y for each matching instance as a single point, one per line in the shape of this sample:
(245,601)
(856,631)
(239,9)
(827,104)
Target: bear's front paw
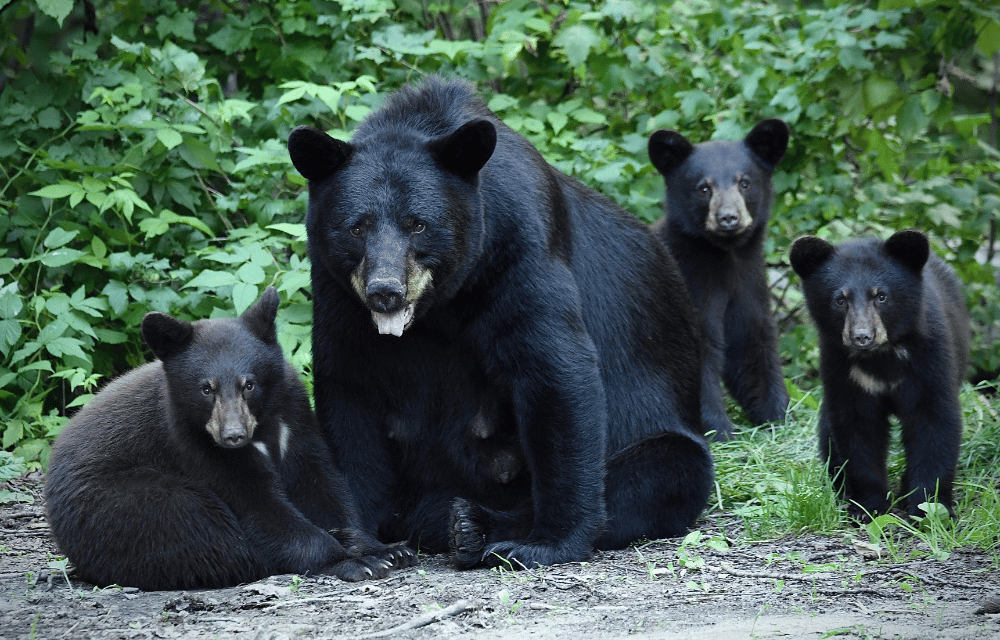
(468,533)
(357,569)
(399,554)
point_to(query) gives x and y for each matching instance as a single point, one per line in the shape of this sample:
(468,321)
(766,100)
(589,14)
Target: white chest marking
(262,448)
(868,382)
(283,435)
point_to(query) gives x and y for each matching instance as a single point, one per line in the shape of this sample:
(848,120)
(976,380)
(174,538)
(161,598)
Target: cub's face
(395,218)
(865,293)
(222,375)
(719,190)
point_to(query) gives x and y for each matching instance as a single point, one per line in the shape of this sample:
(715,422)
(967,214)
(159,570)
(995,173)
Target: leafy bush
(143,160)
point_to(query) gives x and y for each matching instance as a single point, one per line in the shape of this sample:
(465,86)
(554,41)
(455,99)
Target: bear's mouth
(393,323)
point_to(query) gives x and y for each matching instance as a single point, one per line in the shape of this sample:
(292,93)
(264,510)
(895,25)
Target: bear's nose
(385,295)
(862,339)
(728,219)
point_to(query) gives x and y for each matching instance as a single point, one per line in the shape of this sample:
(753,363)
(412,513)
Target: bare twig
(420,621)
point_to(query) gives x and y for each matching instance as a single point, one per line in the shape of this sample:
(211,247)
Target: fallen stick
(421,621)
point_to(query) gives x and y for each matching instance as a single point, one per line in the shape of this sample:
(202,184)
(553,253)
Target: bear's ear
(910,248)
(467,150)
(165,335)
(808,253)
(769,141)
(259,317)
(315,154)
(667,150)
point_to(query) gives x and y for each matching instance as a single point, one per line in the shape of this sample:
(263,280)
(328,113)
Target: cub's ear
(667,150)
(808,253)
(165,335)
(467,150)
(910,248)
(315,154)
(259,317)
(769,141)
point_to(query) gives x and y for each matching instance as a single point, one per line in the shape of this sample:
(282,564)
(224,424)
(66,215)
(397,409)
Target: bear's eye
(744,184)
(418,227)
(840,300)
(881,297)
(206,389)
(356,231)
(704,190)
(248,385)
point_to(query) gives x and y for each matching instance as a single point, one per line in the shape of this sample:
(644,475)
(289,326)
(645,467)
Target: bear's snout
(385,295)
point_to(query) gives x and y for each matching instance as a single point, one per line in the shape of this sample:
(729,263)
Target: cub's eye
(744,184)
(418,227)
(248,385)
(206,389)
(704,190)
(840,301)
(881,297)
(356,231)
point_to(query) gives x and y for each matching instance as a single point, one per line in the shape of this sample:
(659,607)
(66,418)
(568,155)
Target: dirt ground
(802,587)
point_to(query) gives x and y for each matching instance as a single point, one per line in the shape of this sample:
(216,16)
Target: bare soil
(805,586)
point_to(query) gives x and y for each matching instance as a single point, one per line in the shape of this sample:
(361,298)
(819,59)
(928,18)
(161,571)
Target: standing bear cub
(505,361)
(894,339)
(205,468)
(717,207)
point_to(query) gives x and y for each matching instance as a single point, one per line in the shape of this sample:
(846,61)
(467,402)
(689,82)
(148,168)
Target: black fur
(723,266)
(544,396)
(139,492)
(904,352)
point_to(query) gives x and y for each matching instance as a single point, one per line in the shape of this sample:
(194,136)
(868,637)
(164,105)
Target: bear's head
(866,293)
(720,190)
(395,215)
(222,374)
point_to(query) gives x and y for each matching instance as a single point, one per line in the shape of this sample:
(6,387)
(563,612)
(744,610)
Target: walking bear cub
(717,206)
(894,339)
(205,468)
(505,361)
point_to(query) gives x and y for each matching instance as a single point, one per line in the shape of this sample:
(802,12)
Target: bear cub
(205,468)
(717,207)
(894,340)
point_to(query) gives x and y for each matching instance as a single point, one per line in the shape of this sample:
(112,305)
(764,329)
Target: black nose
(862,339)
(728,220)
(235,440)
(385,296)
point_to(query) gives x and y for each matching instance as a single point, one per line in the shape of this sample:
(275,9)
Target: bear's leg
(858,432)
(474,526)
(713,403)
(752,370)
(932,433)
(655,489)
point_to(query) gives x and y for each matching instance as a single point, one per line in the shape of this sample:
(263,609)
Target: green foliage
(143,161)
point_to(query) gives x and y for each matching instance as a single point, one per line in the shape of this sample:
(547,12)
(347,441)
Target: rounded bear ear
(165,335)
(259,317)
(667,150)
(768,140)
(808,253)
(910,248)
(467,150)
(315,154)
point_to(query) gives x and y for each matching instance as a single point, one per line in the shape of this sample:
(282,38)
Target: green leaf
(244,295)
(55,191)
(169,137)
(59,237)
(577,41)
(250,274)
(209,279)
(117,294)
(57,9)
(60,257)
(298,231)
(879,91)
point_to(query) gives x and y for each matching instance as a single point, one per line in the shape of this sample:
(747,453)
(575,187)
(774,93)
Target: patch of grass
(774,480)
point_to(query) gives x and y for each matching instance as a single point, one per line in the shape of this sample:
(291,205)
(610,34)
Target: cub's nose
(862,339)
(728,219)
(385,295)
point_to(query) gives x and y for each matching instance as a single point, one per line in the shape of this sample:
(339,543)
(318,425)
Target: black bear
(205,468)
(894,340)
(717,207)
(503,365)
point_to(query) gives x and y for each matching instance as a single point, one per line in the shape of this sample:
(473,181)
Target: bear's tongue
(393,323)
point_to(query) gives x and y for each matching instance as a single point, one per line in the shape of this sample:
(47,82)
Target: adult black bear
(717,207)
(503,364)
(205,468)
(894,339)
